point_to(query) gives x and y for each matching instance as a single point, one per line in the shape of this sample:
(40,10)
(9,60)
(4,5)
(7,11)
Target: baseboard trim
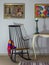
(3,54)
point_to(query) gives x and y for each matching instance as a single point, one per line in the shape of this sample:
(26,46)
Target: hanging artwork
(41,10)
(14,10)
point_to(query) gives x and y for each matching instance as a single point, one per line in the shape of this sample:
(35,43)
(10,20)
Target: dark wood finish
(21,50)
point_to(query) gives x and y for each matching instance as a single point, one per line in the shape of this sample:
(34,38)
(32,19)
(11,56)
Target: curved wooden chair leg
(13,55)
(22,55)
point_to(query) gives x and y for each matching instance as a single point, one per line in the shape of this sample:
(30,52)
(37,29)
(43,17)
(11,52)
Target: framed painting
(41,10)
(14,10)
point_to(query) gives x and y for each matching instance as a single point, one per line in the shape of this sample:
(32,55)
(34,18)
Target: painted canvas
(14,10)
(41,10)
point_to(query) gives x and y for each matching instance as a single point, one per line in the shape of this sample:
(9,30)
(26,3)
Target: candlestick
(36,20)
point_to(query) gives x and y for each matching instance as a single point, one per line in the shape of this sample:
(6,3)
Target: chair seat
(22,48)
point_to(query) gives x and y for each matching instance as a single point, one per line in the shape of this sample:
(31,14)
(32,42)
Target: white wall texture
(28,21)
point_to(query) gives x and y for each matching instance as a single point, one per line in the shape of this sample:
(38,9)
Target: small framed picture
(42,10)
(14,10)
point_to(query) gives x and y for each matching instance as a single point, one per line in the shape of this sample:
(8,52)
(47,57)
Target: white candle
(36,19)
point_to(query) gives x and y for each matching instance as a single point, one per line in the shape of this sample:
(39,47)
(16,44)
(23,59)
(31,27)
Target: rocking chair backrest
(15,34)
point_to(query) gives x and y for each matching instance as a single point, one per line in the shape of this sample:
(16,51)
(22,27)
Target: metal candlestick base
(36,26)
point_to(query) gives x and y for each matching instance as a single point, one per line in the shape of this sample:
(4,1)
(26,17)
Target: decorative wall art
(16,10)
(41,10)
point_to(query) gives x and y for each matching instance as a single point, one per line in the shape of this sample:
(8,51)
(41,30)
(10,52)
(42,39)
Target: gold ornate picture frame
(14,10)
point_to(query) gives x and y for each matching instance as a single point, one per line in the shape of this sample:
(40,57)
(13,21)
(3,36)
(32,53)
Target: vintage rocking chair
(22,44)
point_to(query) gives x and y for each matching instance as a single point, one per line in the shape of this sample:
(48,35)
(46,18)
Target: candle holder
(36,20)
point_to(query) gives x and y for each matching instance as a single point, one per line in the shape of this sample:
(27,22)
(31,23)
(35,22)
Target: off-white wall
(28,21)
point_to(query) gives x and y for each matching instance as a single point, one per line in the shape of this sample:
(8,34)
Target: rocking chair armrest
(26,38)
